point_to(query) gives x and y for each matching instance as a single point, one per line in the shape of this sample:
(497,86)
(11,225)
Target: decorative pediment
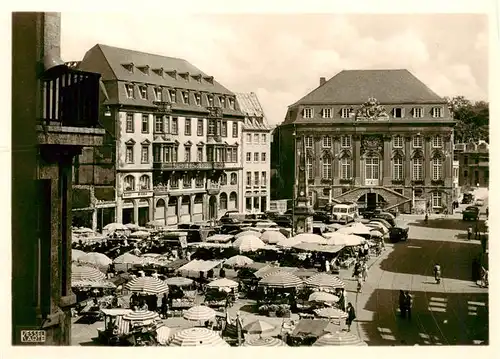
(438,153)
(188,143)
(345,153)
(200,144)
(146,142)
(371,110)
(417,153)
(398,152)
(371,143)
(325,153)
(130,142)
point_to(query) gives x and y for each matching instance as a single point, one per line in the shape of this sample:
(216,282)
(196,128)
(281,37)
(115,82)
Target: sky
(281,57)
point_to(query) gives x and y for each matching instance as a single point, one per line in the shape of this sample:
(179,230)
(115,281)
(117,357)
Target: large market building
(372,137)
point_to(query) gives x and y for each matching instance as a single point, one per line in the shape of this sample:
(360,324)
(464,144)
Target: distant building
(54,115)
(456,175)
(474,164)
(375,137)
(177,133)
(256,145)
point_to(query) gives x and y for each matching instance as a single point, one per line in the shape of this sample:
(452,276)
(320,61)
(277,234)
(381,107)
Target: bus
(345,212)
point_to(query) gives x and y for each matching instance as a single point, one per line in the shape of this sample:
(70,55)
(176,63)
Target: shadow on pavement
(437,319)
(447,223)
(418,257)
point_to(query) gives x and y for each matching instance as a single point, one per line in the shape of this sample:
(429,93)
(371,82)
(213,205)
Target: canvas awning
(193,268)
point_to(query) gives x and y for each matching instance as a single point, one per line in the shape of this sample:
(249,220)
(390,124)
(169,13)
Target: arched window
(345,168)
(144,182)
(327,167)
(309,168)
(233,200)
(437,168)
(129,183)
(397,168)
(223,179)
(223,201)
(234,179)
(417,173)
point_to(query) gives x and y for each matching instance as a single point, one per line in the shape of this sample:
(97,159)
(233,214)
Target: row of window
(170,125)
(170,153)
(397,141)
(257,139)
(259,178)
(263,158)
(180,96)
(372,168)
(397,112)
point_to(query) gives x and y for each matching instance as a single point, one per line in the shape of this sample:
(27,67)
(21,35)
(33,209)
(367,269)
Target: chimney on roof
(322,81)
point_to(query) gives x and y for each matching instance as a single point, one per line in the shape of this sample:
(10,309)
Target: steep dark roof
(118,57)
(356,86)
(250,105)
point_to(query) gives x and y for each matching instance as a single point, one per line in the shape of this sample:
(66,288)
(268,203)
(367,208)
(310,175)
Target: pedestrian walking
(437,273)
(469,233)
(351,315)
(164,306)
(402,308)
(327,266)
(408,304)
(364,271)
(360,282)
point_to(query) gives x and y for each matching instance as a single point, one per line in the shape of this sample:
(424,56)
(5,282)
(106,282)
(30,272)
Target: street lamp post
(294,178)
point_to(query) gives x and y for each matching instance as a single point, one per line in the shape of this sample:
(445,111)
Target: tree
(472,119)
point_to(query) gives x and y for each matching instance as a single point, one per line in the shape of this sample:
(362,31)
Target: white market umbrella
(197,337)
(272,237)
(379,226)
(132,226)
(238,261)
(335,238)
(96,258)
(85,273)
(323,297)
(199,313)
(289,242)
(310,238)
(223,283)
(264,342)
(346,230)
(247,233)
(163,335)
(113,227)
(324,280)
(140,234)
(82,230)
(179,281)
(353,240)
(375,233)
(360,228)
(76,254)
(149,285)
(331,313)
(248,243)
(128,258)
(281,279)
(339,338)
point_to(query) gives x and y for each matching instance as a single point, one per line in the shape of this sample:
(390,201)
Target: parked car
(323,217)
(467,198)
(284,221)
(383,221)
(479,202)
(388,217)
(398,233)
(471,213)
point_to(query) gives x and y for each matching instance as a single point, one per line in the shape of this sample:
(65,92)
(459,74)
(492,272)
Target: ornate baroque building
(371,137)
(177,133)
(256,145)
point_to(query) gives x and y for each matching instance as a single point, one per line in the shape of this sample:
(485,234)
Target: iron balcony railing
(188,165)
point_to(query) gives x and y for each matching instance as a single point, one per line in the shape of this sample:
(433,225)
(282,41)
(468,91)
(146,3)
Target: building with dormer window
(256,146)
(374,137)
(177,158)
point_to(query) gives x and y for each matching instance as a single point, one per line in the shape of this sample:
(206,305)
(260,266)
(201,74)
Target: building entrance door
(212,208)
(371,201)
(372,171)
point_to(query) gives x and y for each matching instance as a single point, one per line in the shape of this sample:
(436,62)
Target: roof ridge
(141,52)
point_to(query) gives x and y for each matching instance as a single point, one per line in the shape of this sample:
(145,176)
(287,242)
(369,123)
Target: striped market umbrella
(84,273)
(247,233)
(324,280)
(331,313)
(281,279)
(199,313)
(310,238)
(179,281)
(223,283)
(258,327)
(272,237)
(76,254)
(147,285)
(238,261)
(197,337)
(92,284)
(248,243)
(323,297)
(141,316)
(96,258)
(264,342)
(163,334)
(338,338)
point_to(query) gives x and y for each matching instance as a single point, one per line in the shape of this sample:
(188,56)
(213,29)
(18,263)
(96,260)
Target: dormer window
(143,91)
(418,112)
(129,88)
(159,72)
(197,99)
(345,113)
(222,102)
(172,94)
(437,112)
(308,112)
(209,79)
(144,69)
(185,97)
(327,113)
(398,112)
(231,103)
(129,67)
(210,100)
(158,93)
